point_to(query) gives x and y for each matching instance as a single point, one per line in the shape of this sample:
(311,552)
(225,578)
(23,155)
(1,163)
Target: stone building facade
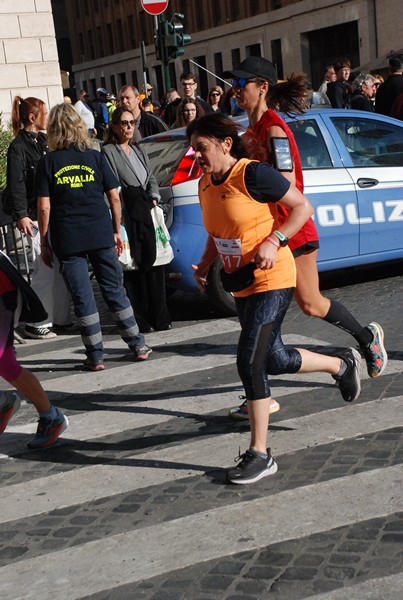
(296,35)
(29,63)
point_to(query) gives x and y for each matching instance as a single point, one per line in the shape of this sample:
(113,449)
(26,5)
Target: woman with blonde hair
(71,183)
(214,98)
(28,120)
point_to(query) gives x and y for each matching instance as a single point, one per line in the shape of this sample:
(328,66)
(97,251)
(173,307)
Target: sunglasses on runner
(242,83)
(127,123)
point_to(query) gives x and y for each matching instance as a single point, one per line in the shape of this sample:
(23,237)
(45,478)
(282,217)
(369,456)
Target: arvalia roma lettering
(75,181)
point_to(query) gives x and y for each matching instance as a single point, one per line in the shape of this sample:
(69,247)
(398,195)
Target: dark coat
(359,101)
(337,93)
(150,124)
(139,226)
(387,93)
(23,155)
(32,308)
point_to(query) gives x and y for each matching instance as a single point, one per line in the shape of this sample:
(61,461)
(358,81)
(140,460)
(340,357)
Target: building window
(131,30)
(100,44)
(199,10)
(275,4)
(235,10)
(254,7)
(172,74)
(81,46)
(218,68)
(109,38)
(203,88)
(253,50)
(236,58)
(135,82)
(103,82)
(113,85)
(216,8)
(122,78)
(277,58)
(120,36)
(91,45)
(93,90)
(158,93)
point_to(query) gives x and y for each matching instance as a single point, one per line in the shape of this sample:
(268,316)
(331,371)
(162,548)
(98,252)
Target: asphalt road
(133,503)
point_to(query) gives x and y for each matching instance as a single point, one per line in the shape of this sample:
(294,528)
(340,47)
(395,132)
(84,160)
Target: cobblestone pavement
(133,504)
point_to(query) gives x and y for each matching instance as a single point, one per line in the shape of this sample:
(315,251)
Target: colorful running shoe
(252,467)
(48,431)
(240,413)
(9,407)
(375,354)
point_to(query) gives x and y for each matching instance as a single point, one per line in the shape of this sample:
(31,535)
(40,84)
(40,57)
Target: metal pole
(144,65)
(165,60)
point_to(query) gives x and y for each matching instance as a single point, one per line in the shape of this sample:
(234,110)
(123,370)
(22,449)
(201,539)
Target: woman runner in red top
(257,91)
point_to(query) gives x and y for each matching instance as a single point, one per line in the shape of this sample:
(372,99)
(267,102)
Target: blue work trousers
(109,276)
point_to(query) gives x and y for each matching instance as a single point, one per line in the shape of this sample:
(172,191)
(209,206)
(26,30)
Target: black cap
(254,66)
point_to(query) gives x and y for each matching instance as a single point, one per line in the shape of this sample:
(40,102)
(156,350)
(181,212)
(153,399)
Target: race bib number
(230,252)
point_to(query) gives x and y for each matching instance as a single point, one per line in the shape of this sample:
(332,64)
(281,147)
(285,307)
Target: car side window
(371,142)
(311,145)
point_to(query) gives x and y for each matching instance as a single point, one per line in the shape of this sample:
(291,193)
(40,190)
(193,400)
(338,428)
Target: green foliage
(6,137)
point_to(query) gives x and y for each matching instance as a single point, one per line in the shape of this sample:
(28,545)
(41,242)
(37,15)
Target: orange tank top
(239,225)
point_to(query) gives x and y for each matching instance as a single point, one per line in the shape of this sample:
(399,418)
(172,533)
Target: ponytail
(290,96)
(21,110)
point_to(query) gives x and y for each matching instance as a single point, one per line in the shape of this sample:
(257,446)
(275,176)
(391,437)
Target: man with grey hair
(363,91)
(146,122)
(390,89)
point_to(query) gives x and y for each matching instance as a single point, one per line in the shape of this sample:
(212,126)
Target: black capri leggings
(260,348)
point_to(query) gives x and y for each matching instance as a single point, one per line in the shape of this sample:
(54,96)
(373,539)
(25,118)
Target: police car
(353,173)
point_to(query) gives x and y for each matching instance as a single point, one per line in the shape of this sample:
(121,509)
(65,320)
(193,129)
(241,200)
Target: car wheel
(222,300)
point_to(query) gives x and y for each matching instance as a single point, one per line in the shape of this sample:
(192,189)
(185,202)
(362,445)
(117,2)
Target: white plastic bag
(125,258)
(164,249)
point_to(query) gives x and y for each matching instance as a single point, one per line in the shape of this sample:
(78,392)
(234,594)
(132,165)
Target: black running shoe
(251,468)
(349,383)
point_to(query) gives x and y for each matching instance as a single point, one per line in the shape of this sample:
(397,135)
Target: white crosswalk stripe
(163,547)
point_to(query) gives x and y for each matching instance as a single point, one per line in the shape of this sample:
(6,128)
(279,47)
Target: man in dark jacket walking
(390,89)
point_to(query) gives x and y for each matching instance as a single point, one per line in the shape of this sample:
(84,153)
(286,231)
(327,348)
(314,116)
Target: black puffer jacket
(23,155)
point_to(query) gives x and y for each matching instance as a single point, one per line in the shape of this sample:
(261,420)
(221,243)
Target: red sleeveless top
(258,134)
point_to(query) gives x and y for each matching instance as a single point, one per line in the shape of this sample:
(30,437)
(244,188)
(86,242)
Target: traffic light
(174,38)
(159,41)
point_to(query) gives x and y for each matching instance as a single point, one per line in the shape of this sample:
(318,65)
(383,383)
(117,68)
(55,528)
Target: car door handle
(366,182)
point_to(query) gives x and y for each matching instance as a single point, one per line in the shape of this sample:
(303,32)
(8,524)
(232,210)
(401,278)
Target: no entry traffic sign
(154,7)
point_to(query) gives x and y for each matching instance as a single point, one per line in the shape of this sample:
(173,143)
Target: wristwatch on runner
(281,238)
